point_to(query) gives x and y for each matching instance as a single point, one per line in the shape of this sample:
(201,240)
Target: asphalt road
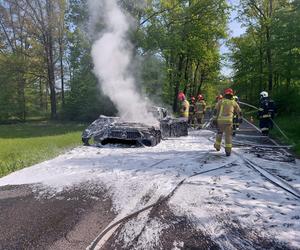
(72,218)
(67,220)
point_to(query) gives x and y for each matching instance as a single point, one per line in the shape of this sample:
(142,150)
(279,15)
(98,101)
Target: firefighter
(192,112)
(266,113)
(224,117)
(184,106)
(218,98)
(200,110)
(236,123)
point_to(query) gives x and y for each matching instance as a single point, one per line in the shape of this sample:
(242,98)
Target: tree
(185,34)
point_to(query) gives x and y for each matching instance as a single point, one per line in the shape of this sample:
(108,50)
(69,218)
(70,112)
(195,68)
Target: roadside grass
(291,127)
(22,145)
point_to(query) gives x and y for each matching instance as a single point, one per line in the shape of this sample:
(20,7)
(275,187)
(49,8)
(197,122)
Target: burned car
(106,130)
(112,130)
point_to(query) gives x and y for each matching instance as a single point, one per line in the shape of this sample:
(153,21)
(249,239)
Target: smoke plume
(112,56)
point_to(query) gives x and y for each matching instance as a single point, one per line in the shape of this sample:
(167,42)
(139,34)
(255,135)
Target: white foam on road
(137,177)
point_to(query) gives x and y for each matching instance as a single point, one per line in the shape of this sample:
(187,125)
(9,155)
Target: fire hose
(276,125)
(95,244)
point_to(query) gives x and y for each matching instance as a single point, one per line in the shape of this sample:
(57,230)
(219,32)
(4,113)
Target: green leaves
(270,48)
(186,34)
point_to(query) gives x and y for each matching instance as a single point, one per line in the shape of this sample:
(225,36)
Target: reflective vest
(184,109)
(226,109)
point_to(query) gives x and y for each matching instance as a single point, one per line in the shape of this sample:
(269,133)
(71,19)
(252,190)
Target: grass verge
(291,127)
(22,145)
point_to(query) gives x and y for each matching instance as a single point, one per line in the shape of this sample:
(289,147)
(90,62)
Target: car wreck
(106,130)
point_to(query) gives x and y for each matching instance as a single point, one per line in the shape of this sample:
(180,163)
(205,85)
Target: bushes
(287,100)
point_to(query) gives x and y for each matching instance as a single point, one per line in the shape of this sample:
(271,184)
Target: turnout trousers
(200,117)
(192,119)
(265,125)
(235,125)
(227,129)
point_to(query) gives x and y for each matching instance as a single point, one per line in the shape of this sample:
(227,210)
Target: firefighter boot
(217,147)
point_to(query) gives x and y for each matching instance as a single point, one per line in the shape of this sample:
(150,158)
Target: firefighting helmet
(200,97)
(181,96)
(228,91)
(264,94)
(193,99)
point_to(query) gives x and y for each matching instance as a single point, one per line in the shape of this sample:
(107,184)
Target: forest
(46,68)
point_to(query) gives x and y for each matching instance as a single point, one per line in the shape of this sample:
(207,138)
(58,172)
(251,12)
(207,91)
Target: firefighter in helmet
(236,123)
(266,113)
(218,98)
(192,111)
(224,111)
(184,106)
(200,110)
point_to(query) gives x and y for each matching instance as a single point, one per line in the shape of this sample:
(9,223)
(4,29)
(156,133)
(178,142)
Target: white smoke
(112,56)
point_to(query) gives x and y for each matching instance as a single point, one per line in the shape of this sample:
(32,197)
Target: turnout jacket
(184,109)
(225,109)
(200,107)
(266,109)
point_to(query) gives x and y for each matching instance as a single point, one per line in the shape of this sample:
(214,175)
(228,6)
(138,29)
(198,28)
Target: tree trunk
(260,67)
(62,72)
(50,61)
(177,85)
(269,51)
(202,78)
(52,81)
(195,78)
(22,99)
(288,79)
(269,61)
(41,94)
(186,80)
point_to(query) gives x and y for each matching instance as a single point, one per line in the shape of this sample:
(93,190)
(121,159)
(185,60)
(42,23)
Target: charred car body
(106,130)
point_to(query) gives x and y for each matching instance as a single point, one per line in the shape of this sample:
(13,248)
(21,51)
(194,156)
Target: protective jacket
(265,114)
(192,108)
(200,107)
(225,110)
(184,109)
(267,108)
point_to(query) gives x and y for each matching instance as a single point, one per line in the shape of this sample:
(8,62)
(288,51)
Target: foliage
(185,35)
(284,122)
(267,57)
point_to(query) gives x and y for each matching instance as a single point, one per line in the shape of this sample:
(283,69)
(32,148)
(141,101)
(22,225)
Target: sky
(235,30)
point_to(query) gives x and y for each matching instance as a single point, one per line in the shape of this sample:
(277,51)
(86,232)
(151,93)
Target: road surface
(204,200)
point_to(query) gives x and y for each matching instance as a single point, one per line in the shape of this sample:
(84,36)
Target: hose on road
(276,125)
(94,244)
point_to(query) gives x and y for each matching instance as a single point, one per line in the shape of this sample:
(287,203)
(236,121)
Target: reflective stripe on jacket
(225,110)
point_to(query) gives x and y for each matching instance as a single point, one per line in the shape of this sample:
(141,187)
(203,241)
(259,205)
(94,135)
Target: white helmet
(264,94)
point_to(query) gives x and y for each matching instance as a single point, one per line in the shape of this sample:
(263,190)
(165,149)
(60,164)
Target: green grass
(22,145)
(291,127)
